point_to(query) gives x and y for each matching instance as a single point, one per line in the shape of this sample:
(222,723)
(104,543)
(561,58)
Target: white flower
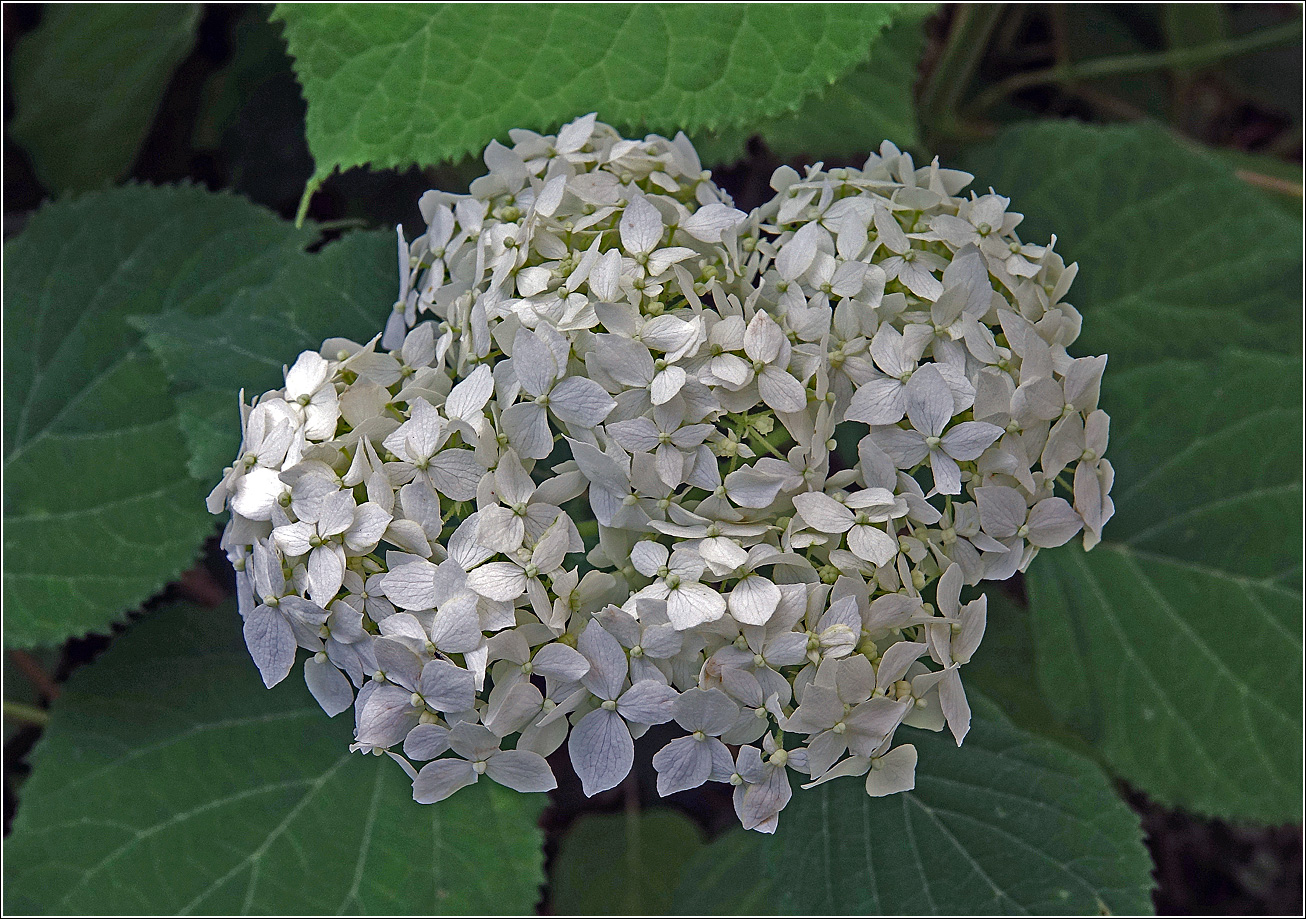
(595,324)
(477,754)
(929,409)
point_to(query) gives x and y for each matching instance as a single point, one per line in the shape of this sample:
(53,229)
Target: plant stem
(964,49)
(29,713)
(35,674)
(1121,64)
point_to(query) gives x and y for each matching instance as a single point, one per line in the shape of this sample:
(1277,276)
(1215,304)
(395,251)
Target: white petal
(682,764)
(447,687)
(710,221)
(871,544)
(693,604)
(457,626)
(326,573)
(411,585)
(426,741)
(521,770)
(952,698)
(581,402)
(1002,510)
(456,473)
(969,439)
(823,513)
(641,227)
(438,780)
(328,685)
(754,600)
(607,660)
(796,255)
(533,362)
(893,772)
(929,401)
(647,702)
(781,391)
(601,750)
(271,643)
(1052,522)
(498,581)
(708,710)
(880,400)
(468,398)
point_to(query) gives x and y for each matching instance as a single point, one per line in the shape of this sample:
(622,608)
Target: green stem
(962,53)
(29,713)
(1122,64)
(309,191)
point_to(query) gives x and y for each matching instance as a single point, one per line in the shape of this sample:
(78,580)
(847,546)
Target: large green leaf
(1177,257)
(1007,823)
(99,512)
(1175,647)
(344,290)
(392,85)
(622,864)
(872,103)
(171,781)
(87,83)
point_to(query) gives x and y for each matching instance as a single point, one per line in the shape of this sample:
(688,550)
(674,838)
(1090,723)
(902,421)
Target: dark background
(1249,104)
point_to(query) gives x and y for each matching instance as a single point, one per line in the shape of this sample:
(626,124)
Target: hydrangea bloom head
(587,479)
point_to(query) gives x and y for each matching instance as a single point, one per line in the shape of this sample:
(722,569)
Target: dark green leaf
(87,83)
(1007,823)
(346,290)
(99,511)
(1175,647)
(619,864)
(1178,259)
(171,781)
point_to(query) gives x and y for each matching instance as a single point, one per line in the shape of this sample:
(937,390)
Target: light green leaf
(622,864)
(392,85)
(87,83)
(1178,259)
(99,512)
(1007,823)
(872,103)
(1175,647)
(171,781)
(345,290)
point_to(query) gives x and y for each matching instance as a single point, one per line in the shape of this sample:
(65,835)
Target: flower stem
(1122,64)
(28,713)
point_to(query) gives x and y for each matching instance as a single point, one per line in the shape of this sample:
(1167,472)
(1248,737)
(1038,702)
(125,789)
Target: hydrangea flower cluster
(587,480)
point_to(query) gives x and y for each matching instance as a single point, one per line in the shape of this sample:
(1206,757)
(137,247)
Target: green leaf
(98,508)
(726,878)
(1279,180)
(393,85)
(170,780)
(619,864)
(1007,823)
(87,83)
(872,103)
(1178,258)
(1004,668)
(1175,647)
(345,290)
